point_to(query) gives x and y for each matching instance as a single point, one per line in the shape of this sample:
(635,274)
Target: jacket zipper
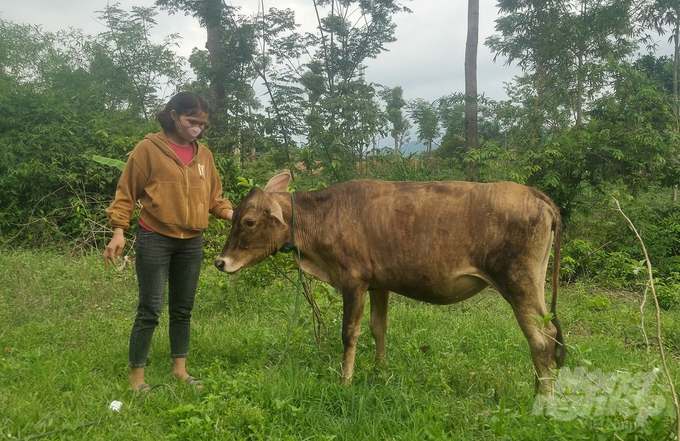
(186,200)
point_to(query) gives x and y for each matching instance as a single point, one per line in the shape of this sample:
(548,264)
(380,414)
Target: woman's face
(189,127)
(199,119)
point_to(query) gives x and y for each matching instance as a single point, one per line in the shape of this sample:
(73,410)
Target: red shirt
(186,154)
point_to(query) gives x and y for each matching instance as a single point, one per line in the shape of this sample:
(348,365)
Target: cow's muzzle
(227,265)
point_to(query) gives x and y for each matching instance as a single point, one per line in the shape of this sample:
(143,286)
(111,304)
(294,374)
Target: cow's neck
(297,213)
(308,214)
(290,212)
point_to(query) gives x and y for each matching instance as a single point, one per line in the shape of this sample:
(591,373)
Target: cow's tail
(560,348)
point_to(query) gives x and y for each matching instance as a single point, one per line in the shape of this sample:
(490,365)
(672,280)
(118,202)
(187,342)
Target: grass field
(459,372)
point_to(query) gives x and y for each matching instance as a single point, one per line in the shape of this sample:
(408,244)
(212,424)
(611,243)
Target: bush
(599,303)
(50,188)
(668,296)
(599,245)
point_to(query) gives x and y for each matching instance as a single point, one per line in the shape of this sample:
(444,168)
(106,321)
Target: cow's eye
(250,223)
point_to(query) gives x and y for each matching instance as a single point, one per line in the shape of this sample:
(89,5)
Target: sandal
(142,388)
(193,382)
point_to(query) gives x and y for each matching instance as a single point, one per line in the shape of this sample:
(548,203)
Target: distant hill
(407,149)
(413,147)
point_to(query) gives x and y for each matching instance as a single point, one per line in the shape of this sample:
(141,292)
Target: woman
(174,178)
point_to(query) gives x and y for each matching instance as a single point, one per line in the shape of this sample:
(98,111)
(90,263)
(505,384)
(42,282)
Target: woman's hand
(114,250)
(230,214)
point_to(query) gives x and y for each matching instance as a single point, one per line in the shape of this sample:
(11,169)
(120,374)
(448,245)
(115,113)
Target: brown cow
(439,242)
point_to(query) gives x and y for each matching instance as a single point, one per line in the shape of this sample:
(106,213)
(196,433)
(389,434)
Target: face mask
(188,133)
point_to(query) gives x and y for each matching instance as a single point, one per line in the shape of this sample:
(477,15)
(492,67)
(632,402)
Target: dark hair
(184,103)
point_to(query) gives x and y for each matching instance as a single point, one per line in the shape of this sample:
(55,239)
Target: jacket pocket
(167,203)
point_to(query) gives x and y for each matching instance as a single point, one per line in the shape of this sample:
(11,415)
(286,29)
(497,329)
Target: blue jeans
(159,260)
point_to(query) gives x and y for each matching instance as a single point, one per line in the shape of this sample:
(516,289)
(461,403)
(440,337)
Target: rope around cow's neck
(290,247)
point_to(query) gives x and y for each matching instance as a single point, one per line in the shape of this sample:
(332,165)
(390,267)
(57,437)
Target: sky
(427,60)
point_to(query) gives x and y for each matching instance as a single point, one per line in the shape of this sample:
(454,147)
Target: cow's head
(258,229)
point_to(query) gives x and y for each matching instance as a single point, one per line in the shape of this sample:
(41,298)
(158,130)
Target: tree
(659,69)
(664,16)
(491,149)
(569,51)
(629,140)
(663,70)
(225,68)
(352,32)
(279,43)
(662,13)
(324,99)
(345,124)
(526,31)
(129,65)
(394,105)
(348,33)
(564,54)
(601,32)
(471,131)
(211,14)
(426,117)
(633,134)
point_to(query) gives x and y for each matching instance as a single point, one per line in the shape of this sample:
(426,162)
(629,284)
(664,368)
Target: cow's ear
(278,183)
(276,212)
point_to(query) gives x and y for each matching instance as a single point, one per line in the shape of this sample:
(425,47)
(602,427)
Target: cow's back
(437,241)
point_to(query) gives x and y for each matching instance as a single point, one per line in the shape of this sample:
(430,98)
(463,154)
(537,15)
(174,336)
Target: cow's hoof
(381,365)
(545,387)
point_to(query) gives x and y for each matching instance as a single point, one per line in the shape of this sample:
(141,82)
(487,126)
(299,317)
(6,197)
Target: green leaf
(243,182)
(120,165)
(543,320)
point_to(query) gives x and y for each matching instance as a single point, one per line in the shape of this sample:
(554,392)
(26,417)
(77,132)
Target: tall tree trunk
(217,91)
(471,129)
(676,65)
(579,91)
(214,46)
(579,73)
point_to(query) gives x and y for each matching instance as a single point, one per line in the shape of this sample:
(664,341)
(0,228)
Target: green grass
(65,322)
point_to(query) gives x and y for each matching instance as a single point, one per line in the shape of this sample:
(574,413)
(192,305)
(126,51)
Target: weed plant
(460,372)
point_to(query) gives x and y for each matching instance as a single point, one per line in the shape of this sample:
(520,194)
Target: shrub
(598,245)
(599,303)
(668,296)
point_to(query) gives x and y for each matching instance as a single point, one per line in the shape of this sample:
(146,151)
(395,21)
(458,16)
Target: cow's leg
(541,337)
(353,302)
(379,300)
